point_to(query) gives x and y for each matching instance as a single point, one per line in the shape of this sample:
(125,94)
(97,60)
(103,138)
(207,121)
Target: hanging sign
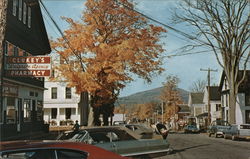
(35,66)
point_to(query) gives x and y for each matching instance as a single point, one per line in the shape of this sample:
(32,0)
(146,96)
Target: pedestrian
(76,126)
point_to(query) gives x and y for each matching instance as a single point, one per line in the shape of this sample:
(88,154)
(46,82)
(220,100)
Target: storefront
(22,111)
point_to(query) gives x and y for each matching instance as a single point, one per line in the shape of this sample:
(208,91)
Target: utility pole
(162,105)
(208,90)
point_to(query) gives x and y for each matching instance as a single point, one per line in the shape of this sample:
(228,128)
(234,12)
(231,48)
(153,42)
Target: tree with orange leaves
(170,96)
(103,51)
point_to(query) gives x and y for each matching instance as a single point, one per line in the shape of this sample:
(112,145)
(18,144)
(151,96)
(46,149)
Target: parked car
(53,150)
(143,131)
(235,132)
(121,140)
(191,129)
(218,128)
(115,123)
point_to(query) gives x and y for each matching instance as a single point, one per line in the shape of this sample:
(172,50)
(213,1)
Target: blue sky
(187,67)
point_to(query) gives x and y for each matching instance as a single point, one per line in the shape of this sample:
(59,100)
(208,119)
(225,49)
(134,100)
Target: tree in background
(224,26)
(101,52)
(198,86)
(170,96)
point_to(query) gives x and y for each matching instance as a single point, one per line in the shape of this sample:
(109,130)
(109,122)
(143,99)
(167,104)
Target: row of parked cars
(106,142)
(220,128)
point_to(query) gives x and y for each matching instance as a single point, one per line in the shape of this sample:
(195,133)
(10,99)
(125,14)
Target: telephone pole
(208,92)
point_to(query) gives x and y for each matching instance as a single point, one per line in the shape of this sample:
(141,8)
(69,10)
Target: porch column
(58,116)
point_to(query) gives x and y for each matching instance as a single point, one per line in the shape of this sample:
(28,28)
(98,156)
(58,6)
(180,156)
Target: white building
(215,102)
(60,103)
(197,109)
(242,112)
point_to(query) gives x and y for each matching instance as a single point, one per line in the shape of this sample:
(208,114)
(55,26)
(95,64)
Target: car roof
(25,144)
(112,128)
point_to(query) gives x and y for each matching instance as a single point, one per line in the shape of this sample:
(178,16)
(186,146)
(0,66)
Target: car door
(140,147)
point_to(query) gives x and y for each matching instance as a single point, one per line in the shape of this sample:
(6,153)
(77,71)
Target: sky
(186,68)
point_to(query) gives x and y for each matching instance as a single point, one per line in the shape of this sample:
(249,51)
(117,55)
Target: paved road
(200,146)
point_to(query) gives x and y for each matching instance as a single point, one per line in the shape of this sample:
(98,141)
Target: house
(195,102)
(61,103)
(183,114)
(198,109)
(21,112)
(215,102)
(242,112)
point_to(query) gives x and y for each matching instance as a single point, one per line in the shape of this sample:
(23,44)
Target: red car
(53,150)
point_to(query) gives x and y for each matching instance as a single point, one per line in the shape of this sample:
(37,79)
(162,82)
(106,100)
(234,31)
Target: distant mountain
(148,96)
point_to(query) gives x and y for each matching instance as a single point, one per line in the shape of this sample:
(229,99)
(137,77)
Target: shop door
(19,114)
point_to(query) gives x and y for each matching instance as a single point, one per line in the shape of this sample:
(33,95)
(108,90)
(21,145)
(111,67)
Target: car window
(79,135)
(100,137)
(34,154)
(113,136)
(71,154)
(65,136)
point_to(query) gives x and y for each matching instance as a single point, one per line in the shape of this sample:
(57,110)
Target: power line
(163,24)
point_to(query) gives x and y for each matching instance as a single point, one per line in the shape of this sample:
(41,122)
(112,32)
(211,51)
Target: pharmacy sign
(27,66)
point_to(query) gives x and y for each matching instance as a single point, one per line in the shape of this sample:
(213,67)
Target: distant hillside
(148,96)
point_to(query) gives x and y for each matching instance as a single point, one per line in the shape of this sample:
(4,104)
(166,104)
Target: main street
(200,146)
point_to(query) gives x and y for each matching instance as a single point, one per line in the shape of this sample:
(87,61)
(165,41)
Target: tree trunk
(233,89)
(96,112)
(84,108)
(232,107)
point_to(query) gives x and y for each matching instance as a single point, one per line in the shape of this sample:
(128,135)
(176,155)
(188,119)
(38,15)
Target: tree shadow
(184,149)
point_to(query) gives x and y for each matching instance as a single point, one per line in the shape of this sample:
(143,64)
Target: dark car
(191,129)
(53,150)
(119,139)
(240,131)
(218,128)
(143,131)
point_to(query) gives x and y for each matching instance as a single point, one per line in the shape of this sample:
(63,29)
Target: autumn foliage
(170,97)
(100,53)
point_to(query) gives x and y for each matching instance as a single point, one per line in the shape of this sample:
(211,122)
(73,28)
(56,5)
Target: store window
(29,17)
(10,110)
(24,13)
(20,9)
(16,51)
(5,48)
(68,93)
(247,99)
(27,110)
(39,113)
(53,113)
(14,11)
(54,93)
(248,116)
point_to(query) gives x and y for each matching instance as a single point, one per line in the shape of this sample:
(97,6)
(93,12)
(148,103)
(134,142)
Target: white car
(235,132)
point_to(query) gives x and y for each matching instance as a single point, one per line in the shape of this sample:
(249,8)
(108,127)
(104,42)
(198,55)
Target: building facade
(61,104)
(21,111)
(215,102)
(242,112)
